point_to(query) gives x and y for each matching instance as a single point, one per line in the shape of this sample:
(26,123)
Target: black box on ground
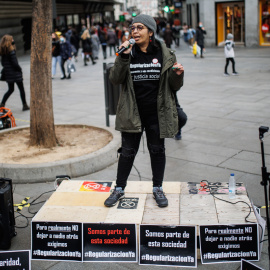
(7,220)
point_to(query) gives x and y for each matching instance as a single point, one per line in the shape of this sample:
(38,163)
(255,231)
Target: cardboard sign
(229,243)
(168,245)
(96,186)
(109,242)
(61,241)
(245,265)
(15,260)
(128,203)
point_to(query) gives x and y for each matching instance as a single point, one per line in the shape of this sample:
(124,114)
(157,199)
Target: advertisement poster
(109,242)
(229,243)
(168,245)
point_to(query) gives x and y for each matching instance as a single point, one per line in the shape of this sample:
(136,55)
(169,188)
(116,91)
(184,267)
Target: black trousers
(227,64)
(130,146)
(63,61)
(202,47)
(11,90)
(104,51)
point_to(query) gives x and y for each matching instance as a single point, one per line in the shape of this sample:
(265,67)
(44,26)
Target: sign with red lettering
(109,242)
(96,186)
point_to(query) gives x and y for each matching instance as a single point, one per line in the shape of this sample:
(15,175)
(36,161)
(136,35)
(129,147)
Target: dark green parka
(127,115)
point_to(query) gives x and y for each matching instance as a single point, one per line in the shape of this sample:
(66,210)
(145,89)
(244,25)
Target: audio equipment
(7,220)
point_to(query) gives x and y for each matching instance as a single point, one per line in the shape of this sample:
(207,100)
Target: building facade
(16,17)
(247,20)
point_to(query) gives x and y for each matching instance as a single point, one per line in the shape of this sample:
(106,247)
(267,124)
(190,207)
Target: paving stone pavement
(220,137)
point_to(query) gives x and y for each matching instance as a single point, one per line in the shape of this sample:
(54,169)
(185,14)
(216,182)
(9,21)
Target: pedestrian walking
(126,36)
(56,57)
(102,34)
(185,31)
(229,55)
(112,40)
(95,43)
(168,36)
(87,47)
(75,43)
(11,72)
(66,54)
(200,32)
(192,33)
(149,74)
(176,34)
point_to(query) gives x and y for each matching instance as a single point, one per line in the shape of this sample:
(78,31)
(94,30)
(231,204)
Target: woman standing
(11,70)
(87,47)
(149,74)
(56,57)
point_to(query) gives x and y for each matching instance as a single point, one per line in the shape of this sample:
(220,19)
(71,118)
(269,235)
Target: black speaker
(7,220)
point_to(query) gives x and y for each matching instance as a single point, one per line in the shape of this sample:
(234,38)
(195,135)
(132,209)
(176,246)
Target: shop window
(76,19)
(69,20)
(265,22)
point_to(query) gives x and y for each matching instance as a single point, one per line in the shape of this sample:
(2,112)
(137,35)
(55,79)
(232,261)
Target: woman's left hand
(178,68)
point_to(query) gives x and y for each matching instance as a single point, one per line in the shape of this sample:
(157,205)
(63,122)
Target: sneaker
(178,136)
(235,74)
(226,74)
(160,197)
(117,194)
(62,78)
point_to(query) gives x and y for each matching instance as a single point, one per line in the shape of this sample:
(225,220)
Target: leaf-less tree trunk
(42,131)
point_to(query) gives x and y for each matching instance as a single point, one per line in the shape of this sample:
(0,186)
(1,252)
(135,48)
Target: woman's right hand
(127,45)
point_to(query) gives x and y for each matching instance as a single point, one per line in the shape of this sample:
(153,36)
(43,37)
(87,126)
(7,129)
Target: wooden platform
(189,204)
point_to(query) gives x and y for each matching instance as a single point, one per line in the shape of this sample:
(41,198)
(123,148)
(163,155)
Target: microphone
(120,51)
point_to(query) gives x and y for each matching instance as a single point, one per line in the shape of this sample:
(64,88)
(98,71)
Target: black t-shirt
(145,70)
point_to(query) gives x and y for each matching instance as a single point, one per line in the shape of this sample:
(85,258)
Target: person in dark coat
(102,35)
(200,32)
(168,36)
(149,74)
(87,47)
(66,54)
(12,71)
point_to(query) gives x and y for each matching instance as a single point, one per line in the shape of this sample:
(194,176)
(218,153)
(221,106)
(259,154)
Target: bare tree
(42,130)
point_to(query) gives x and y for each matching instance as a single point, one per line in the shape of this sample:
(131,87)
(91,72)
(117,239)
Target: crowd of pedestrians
(68,45)
(107,37)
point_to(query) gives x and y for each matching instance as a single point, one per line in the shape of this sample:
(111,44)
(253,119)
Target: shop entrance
(230,19)
(264,23)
